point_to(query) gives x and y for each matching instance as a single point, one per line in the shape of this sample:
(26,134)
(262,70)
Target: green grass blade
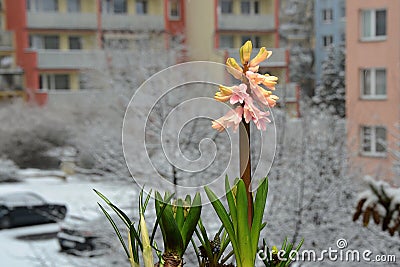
(191,220)
(243,231)
(115,229)
(226,221)
(203,237)
(259,208)
(132,241)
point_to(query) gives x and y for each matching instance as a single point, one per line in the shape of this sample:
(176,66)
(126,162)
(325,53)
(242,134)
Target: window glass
(245,7)
(226,6)
(366,139)
(174,11)
(141,6)
(226,41)
(74,6)
(61,81)
(51,42)
(49,5)
(75,42)
(381,23)
(366,23)
(120,6)
(366,82)
(380,82)
(256,7)
(380,133)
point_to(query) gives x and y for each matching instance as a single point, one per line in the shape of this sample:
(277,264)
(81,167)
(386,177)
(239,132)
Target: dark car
(85,235)
(27,208)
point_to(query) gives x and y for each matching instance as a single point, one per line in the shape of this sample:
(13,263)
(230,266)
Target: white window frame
(325,18)
(145,5)
(373,141)
(38,6)
(373,25)
(173,17)
(373,82)
(220,7)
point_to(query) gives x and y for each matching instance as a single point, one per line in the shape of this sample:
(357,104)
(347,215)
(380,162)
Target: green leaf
(205,242)
(243,232)
(231,203)
(191,220)
(226,221)
(119,212)
(172,237)
(259,208)
(115,229)
(159,211)
(133,249)
(180,215)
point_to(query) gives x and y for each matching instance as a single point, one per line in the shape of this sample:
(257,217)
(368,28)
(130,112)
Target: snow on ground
(79,198)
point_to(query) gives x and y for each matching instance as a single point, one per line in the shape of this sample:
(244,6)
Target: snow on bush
(381,203)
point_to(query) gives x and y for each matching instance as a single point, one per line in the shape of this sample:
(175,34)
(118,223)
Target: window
(327,40)
(373,83)
(75,42)
(256,40)
(174,9)
(226,6)
(54,81)
(115,6)
(141,6)
(249,7)
(42,5)
(373,140)
(74,6)
(327,15)
(226,41)
(373,24)
(44,42)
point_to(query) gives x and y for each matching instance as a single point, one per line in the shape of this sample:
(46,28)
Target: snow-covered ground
(79,198)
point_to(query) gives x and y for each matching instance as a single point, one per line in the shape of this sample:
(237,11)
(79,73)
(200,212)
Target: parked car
(27,208)
(86,235)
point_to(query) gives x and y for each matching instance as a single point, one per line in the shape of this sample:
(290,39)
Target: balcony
(278,58)
(6,40)
(76,59)
(233,22)
(55,20)
(133,22)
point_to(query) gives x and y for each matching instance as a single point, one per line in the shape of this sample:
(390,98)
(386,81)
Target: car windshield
(21,199)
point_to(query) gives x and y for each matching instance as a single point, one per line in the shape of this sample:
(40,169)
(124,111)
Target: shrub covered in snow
(381,203)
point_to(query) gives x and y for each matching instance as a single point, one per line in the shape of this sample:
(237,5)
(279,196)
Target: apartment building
(54,40)
(373,84)
(329,26)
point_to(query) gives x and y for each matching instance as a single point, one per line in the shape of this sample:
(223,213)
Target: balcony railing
(6,40)
(56,20)
(77,59)
(278,58)
(133,22)
(246,22)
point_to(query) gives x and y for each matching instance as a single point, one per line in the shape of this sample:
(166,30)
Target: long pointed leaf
(243,231)
(115,229)
(191,220)
(180,214)
(259,208)
(119,212)
(158,214)
(226,221)
(231,203)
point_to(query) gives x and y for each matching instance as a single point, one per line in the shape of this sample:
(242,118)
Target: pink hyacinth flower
(252,113)
(232,118)
(239,93)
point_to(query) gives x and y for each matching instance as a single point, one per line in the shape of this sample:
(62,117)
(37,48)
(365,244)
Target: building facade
(330,26)
(54,40)
(373,84)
